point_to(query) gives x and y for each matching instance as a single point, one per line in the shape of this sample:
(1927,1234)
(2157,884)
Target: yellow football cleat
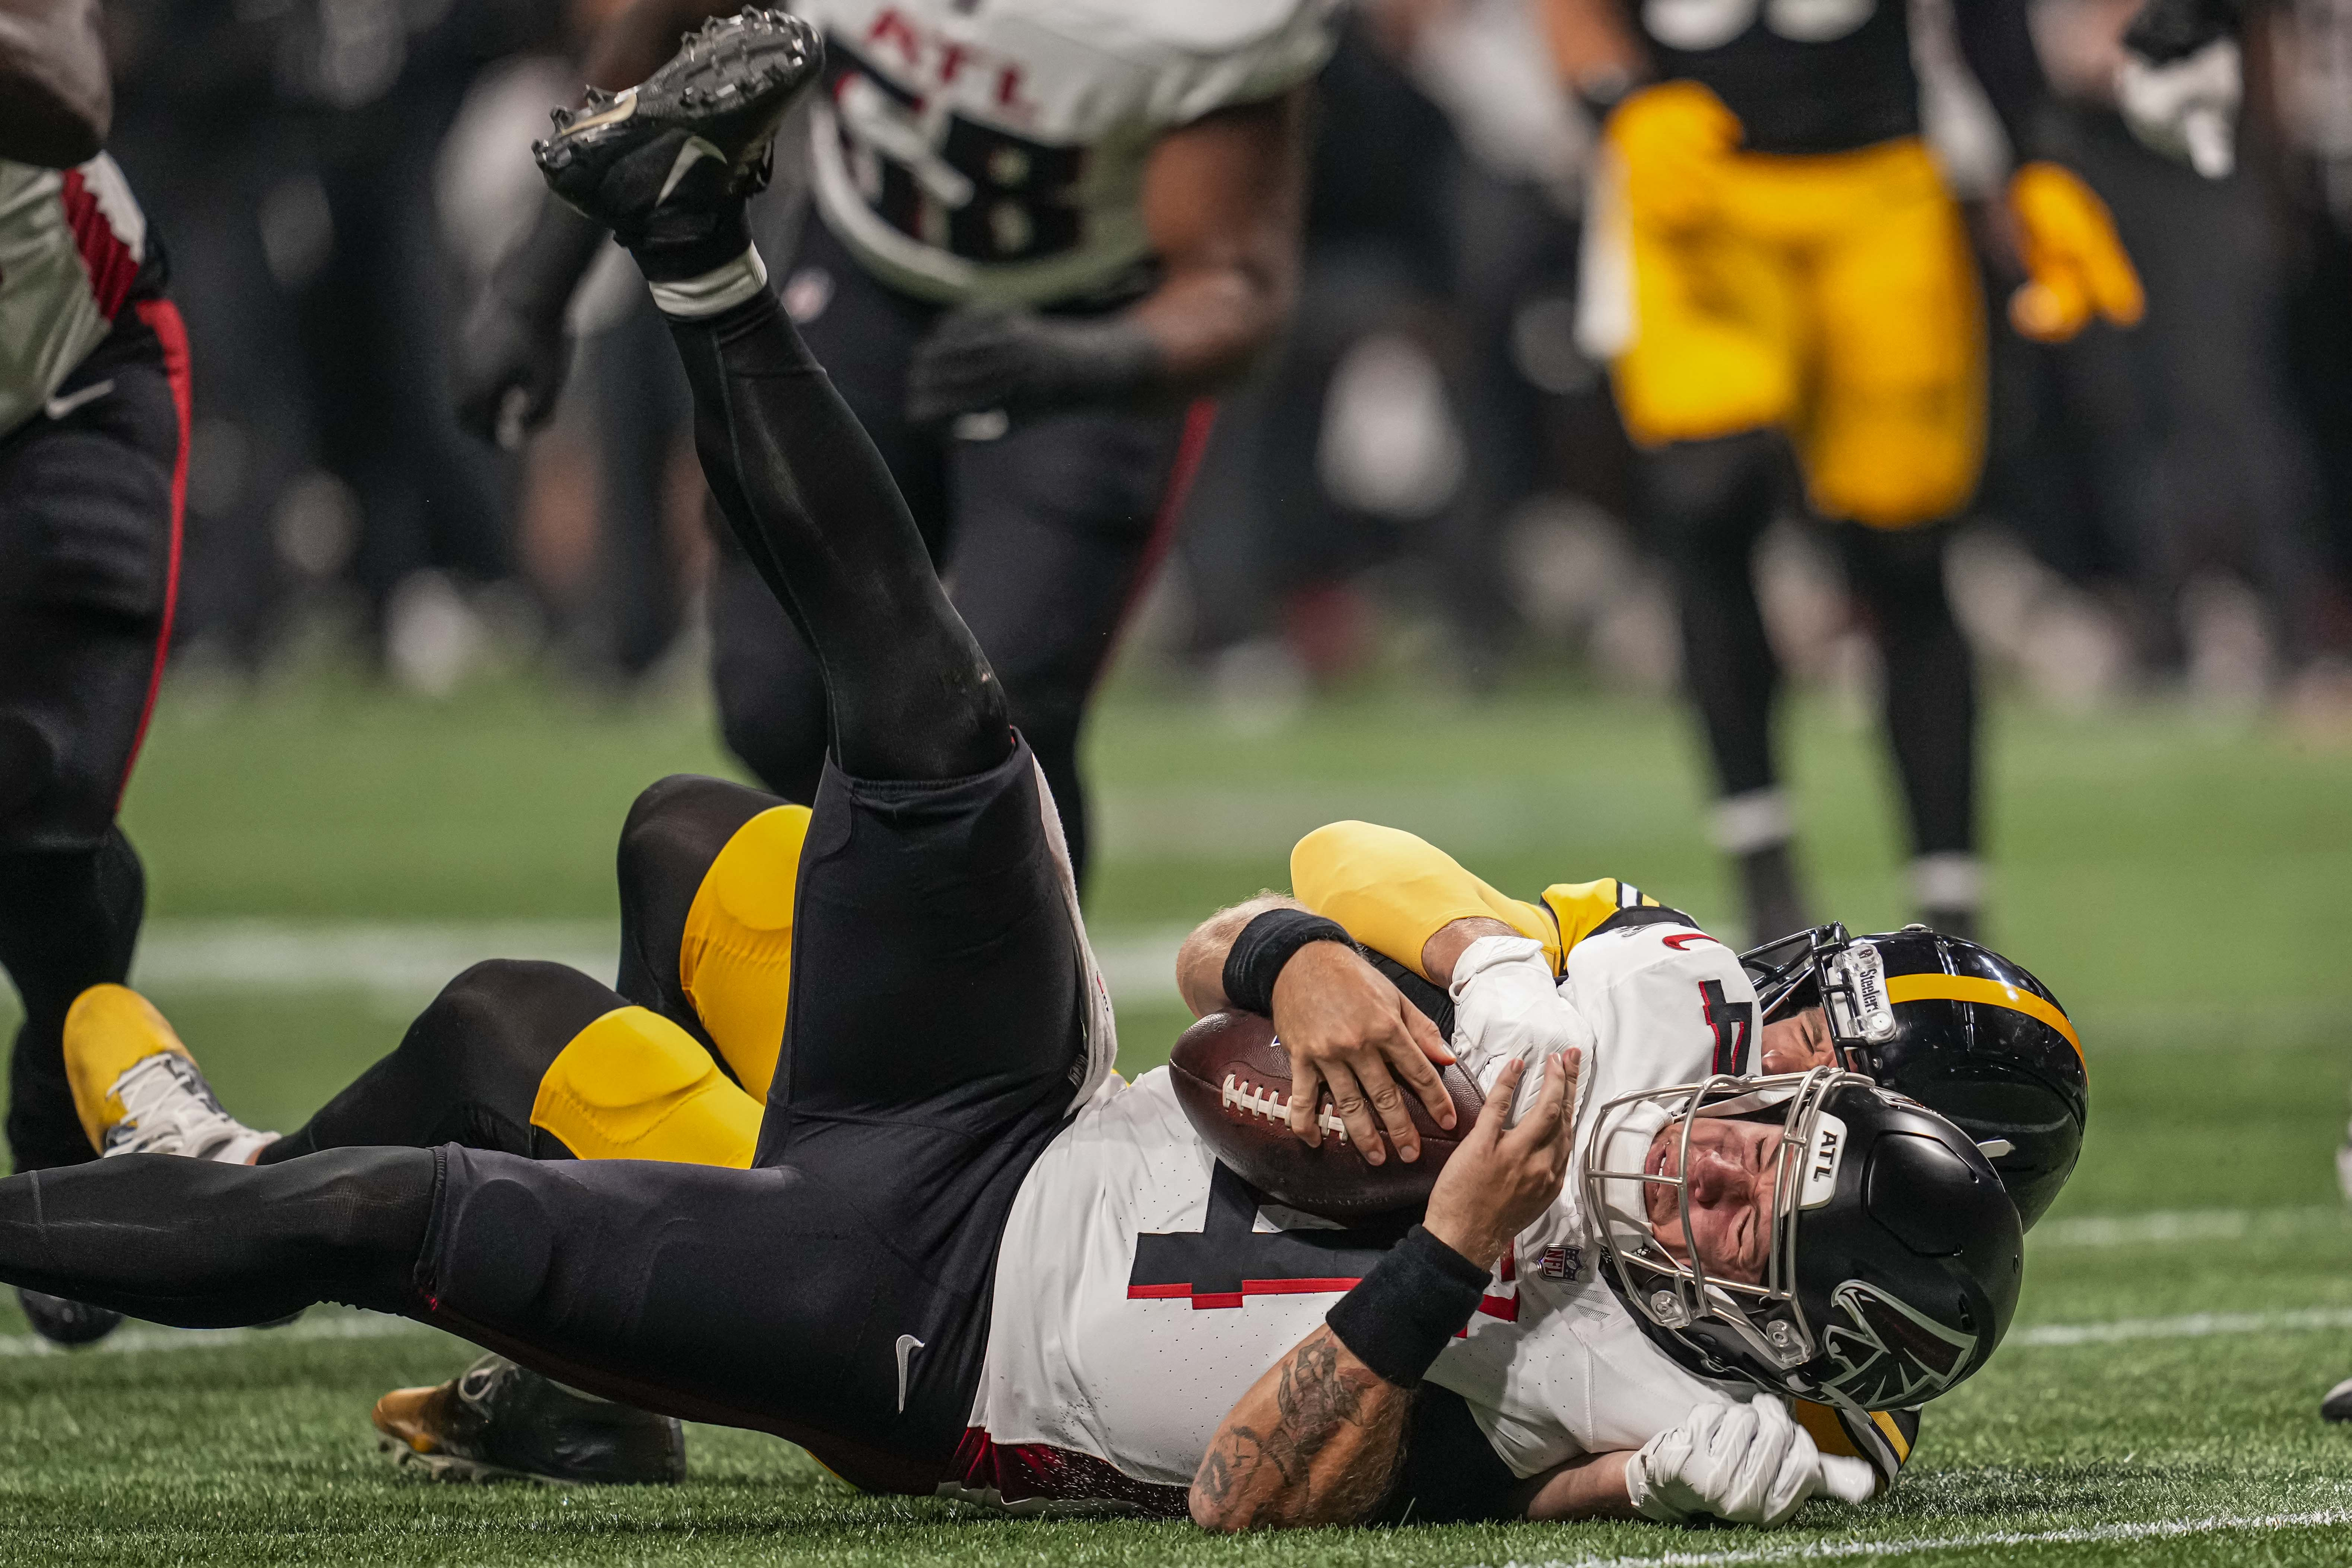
(136,1089)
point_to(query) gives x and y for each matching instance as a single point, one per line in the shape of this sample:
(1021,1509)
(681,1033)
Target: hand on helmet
(511,365)
(1743,1464)
(2075,266)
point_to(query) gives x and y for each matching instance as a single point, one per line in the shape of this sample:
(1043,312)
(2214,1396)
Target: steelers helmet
(1953,1026)
(1895,1256)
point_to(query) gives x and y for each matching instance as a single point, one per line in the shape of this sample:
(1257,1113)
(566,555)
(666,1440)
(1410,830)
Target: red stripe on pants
(1200,418)
(162,318)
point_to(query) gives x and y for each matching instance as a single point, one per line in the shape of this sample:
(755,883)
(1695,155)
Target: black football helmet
(1895,1256)
(1953,1026)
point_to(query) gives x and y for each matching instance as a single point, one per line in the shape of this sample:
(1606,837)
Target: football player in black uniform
(1040,235)
(93,468)
(1773,261)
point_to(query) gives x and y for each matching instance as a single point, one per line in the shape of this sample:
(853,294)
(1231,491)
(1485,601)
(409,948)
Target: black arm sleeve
(1451,1474)
(1436,1003)
(539,276)
(1998,47)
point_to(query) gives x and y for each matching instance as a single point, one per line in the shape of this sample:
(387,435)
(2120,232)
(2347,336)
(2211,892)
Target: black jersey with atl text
(1803,76)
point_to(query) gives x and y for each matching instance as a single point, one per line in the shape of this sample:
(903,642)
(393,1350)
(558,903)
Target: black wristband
(1265,944)
(1406,1310)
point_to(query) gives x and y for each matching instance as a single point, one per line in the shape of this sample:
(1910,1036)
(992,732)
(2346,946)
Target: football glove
(2181,79)
(1673,140)
(2186,109)
(513,355)
(978,361)
(1742,1464)
(1507,1004)
(2074,264)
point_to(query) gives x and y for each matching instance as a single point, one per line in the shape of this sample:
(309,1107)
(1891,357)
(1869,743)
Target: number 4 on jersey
(1733,1023)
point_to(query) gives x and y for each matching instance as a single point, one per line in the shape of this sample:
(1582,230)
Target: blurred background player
(1039,232)
(1774,262)
(93,430)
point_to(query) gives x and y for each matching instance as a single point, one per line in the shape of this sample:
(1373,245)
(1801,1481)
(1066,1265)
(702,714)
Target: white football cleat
(138,1090)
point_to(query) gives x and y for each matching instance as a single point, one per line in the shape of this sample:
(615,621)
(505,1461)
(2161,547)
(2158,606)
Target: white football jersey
(993,150)
(1141,1288)
(71,244)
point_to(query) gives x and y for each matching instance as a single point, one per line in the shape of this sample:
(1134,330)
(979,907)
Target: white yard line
(413,959)
(318,1323)
(2194,1326)
(2164,1226)
(2081,1535)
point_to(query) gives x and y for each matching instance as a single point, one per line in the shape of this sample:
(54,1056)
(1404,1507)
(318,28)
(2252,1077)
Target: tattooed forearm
(1317,1441)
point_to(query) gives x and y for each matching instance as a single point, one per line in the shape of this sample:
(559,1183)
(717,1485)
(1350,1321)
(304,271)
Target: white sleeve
(1240,51)
(1670,1006)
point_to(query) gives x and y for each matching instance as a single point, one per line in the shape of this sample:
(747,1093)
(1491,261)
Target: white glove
(1743,1464)
(1507,1004)
(2186,109)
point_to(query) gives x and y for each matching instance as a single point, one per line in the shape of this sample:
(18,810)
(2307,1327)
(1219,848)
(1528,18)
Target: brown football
(1232,1077)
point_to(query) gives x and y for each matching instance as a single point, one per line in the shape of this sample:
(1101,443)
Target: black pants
(90,532)
(1047,534)
(837,1293)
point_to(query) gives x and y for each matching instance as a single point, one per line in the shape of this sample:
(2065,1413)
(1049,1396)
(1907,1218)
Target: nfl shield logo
(1561,1262)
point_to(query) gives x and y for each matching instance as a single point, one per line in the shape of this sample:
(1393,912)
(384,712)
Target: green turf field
(2179,883)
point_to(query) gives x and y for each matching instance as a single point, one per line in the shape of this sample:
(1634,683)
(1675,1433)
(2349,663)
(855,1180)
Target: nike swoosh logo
(58,407)
(908,1345)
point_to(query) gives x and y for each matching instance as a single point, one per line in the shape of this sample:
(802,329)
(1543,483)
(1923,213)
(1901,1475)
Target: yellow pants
(634,1085)
(1834,297)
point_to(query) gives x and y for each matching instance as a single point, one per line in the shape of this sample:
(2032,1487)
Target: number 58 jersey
(993,150)
(1142,1287)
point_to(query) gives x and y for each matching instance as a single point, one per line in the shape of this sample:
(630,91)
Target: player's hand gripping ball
(1233,1078)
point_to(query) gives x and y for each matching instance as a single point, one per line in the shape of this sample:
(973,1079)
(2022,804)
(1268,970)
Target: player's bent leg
(469,1068)
(757,1299)
(1931,710)
(1708,503)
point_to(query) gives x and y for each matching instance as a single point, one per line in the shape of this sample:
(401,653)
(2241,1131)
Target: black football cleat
(653,161)
(498,1422)
(2338,1405)
(64,1322)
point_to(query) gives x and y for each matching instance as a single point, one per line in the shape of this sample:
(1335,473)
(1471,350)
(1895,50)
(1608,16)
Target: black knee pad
(779,744)
(492,1257)
(28,762)
(676,828)
(492,1031)
(1704,499)
(1899,575)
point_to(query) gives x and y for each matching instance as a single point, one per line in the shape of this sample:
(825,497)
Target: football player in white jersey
(1043,232)
(958,1258)
(93,435)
